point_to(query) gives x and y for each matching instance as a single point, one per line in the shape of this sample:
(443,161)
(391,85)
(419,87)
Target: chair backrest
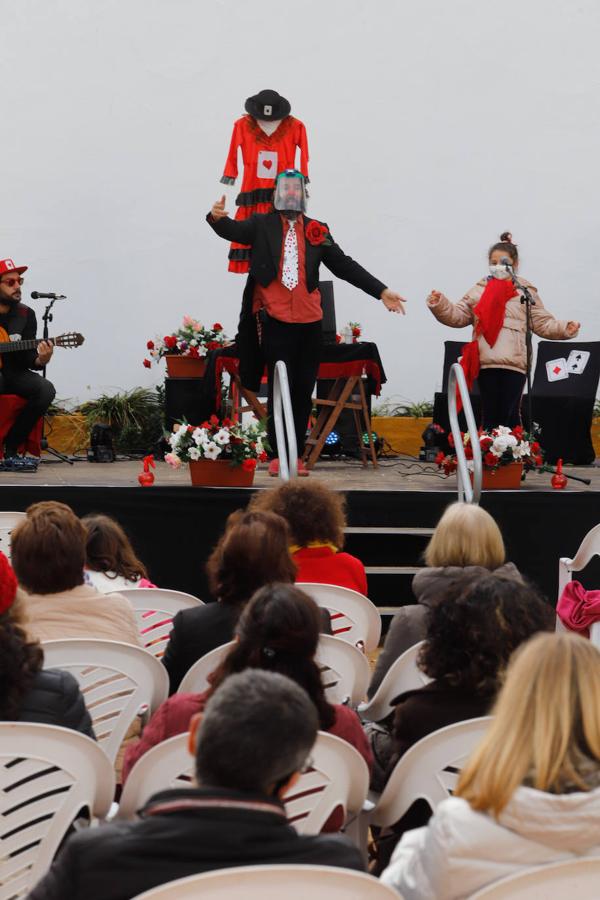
(155,609)
(338,777)
(273,883)
(353,617)
(8,520)
(195,680)
(116,680)
(47,776)
(574,878)
(402,675)
(589,547)
(345,670)
(166,765)
(428,770)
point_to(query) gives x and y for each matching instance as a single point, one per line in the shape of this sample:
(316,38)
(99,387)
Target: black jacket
(264,233)
(20,320)
(195,632)
(181,833)
(54,698)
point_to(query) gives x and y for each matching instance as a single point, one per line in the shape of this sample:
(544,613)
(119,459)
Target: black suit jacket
(264,233)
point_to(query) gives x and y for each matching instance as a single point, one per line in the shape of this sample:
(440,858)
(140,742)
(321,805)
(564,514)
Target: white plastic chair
(345,670)
(575,878)
(353,617)
(402,675)
(338,777)
(8,520)
(167,765)
(589,547)
(116,680)
(47,776)
(155,609)
(195,680)
(429,770)
(273,883)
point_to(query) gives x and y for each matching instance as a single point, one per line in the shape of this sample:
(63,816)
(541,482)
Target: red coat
(323,566)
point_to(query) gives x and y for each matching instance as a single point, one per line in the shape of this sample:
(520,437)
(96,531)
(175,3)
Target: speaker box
(183,400)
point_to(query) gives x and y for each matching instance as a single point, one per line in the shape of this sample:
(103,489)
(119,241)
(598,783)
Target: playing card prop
(558,369)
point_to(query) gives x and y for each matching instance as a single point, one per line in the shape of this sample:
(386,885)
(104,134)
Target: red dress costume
(262,154)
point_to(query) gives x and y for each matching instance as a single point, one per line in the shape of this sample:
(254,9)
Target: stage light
(332,438)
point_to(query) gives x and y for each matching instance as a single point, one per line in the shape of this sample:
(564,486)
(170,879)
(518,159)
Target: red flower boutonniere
(317,234)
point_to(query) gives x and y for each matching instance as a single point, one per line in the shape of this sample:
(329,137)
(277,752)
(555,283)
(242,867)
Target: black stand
(58,456)
(528,300)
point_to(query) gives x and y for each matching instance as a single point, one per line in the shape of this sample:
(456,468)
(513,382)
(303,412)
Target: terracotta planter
(185,366)
(219,473)
(506,478)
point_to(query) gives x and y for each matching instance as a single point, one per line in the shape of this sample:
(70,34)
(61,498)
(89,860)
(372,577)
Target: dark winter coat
(54,698)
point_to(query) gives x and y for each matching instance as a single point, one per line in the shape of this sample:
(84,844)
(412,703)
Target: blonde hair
(466,535)
(546,722)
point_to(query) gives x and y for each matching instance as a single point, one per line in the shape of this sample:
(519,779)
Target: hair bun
(506,236)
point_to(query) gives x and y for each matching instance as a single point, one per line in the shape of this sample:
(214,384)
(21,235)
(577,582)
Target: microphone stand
(528,301)
(59,457)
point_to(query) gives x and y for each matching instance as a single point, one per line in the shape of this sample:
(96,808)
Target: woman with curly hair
(277,631)
(466,541)
(530,793)
(252,552)
(28,692)
(317,518)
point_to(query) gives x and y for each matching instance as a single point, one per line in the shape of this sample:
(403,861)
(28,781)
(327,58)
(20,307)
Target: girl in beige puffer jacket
(502,362)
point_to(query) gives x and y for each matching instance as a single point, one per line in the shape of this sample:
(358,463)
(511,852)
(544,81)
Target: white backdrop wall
(432,126)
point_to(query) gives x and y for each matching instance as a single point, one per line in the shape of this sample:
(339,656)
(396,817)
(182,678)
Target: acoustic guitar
(70,339)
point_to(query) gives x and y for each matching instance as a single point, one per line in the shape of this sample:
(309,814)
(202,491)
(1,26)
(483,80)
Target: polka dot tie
(289,270)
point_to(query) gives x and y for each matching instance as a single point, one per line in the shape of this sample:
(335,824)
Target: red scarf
(489,318)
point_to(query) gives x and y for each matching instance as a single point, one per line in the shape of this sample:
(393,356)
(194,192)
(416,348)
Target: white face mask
(499,272)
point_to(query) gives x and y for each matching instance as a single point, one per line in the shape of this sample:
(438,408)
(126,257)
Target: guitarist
(16,376)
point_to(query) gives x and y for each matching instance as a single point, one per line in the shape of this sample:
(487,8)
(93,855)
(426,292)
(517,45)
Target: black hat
(267,105)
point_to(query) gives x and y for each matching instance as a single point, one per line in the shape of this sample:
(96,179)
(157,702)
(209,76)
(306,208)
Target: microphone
(36,295)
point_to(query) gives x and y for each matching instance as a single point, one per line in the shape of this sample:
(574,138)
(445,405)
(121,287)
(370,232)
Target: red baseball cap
(7,265)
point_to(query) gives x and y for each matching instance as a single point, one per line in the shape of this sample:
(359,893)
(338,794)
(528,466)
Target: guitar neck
(15,346)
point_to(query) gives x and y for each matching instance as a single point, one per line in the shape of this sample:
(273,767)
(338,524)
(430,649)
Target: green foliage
(136,417)
(404,409)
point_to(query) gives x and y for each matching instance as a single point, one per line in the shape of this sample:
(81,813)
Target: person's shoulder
(331,849)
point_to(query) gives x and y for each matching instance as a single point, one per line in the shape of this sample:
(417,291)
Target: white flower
(499,446)
(211,451)
(522,449)
(503,429)
(172,460)
(202,350)
(199,436)
(193,343)
(222,436)
(194,453)
(511,440)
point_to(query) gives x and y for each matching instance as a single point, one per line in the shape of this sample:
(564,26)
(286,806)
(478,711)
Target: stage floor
(395,474)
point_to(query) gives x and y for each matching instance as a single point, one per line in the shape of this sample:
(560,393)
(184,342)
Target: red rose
(490,460)
(486,443)
(217,327)
(451,439)
(538,460)
(205,425)
(193,352)
(150,345)
(518,431)
(190,429)
(249,465)
(212,345)
(468,452)
(535,447)
(263,456)
(226,423)
(356,331)
(338,339)
(214,420)
(440,458)
(315,233)
(170,341)
(147,363)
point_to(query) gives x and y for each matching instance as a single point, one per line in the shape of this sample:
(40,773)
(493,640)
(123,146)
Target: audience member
(48,555)
(28,692)
(530,794)
(316,517)
(111,562)
(252,552)
(466,541)
(253,741)
(278,631)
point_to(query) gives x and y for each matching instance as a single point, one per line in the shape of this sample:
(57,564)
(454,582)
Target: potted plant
(219,453)
(507,454)
(186,348)
(400,424)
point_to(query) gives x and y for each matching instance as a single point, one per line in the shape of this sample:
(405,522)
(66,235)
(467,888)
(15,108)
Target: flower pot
(505,478)
(219,473)
(185,366)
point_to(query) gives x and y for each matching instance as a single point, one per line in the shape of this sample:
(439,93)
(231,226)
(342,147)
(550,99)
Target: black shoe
(18,464)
